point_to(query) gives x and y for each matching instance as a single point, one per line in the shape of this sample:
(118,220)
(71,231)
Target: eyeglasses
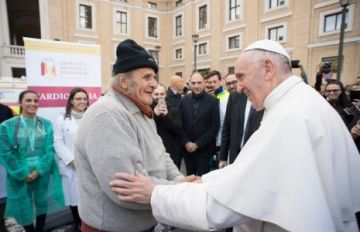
(332,90)
(231,83)
(81,98)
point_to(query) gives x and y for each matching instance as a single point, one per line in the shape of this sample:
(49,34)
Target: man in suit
(168,123)
(200,115)
(230,82)
(173,93)
(215,84)
(241,121)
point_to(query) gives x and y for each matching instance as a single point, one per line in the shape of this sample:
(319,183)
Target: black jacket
(233,127)
(169,128)
(172,98)
(200,125)
(5,112)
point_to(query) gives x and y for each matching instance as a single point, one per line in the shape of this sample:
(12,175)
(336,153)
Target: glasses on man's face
(332,90)
(81,98)
(231,83)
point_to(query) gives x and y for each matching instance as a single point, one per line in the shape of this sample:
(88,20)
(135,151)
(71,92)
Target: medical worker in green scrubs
(27,153)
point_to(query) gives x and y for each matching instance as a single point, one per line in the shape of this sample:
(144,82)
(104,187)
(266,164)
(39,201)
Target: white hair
(281,62)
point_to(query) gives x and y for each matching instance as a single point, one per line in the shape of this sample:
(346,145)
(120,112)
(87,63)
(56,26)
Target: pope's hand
(132,188)
(191,178)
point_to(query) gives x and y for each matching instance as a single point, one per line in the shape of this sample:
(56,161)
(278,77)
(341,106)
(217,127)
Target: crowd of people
(263,150)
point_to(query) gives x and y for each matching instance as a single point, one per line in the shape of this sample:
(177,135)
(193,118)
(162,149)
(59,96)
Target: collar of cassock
(145,109)
(277,93)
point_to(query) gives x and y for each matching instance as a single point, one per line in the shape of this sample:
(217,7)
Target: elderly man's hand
(133,188)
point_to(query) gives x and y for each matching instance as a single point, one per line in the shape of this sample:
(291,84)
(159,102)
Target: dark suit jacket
(172,98)
(201,130)
(233,128)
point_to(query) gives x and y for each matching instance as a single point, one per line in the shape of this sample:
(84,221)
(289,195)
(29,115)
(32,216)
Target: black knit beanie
(131,56)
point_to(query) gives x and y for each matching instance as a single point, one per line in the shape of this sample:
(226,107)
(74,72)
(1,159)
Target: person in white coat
(64,137)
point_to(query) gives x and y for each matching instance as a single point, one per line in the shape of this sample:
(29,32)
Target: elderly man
(118,134)
(298,172)
(175,90)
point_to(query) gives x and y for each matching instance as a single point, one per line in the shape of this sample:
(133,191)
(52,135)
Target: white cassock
(298,172)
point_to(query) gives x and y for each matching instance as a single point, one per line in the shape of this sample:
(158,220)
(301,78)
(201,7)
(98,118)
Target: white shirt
(298,172)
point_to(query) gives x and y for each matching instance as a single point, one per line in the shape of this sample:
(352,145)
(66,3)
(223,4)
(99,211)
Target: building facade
(308,29)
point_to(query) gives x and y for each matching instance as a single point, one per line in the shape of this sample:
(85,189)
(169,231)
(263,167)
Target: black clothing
(233,128)
(169,128)
(5,112)
(173,98)
(201,122)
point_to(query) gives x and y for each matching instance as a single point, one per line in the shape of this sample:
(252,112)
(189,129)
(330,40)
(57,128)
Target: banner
(53,68)
(10,89)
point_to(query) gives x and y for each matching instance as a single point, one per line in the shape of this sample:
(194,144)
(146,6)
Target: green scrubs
(26,144)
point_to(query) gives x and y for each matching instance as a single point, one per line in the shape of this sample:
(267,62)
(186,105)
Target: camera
(295,63)
(325,67)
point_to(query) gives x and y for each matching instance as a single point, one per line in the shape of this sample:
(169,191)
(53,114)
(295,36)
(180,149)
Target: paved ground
(12,226)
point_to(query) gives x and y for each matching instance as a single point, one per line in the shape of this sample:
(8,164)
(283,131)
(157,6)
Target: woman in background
(27,153)
(64,136)
(336,96)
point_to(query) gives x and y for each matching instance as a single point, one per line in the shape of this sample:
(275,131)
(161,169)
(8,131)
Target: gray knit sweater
(115,136)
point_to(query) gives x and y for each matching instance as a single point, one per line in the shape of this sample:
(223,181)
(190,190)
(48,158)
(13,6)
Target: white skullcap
(268,45)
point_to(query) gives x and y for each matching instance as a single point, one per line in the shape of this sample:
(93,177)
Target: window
(155,54)
(276,33)
(231,69)
(234,9)
(152,27)
(276,3)
(85,16)
(333,21)
(178,25)
(179,3)
(202,17)
(178,54)
(152,5)
(234,42)
(18,72)
(330,21)
(203,49)
(121,22)
(179,74)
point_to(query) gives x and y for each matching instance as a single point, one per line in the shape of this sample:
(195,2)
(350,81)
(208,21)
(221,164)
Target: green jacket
(26,144)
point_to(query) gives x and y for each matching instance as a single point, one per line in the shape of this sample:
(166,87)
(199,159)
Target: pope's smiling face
(250,77)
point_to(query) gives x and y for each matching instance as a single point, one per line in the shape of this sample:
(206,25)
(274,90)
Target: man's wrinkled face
(251,80)
(197,84)
(213,83)
(142,84)
(230,83)
(159,93)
